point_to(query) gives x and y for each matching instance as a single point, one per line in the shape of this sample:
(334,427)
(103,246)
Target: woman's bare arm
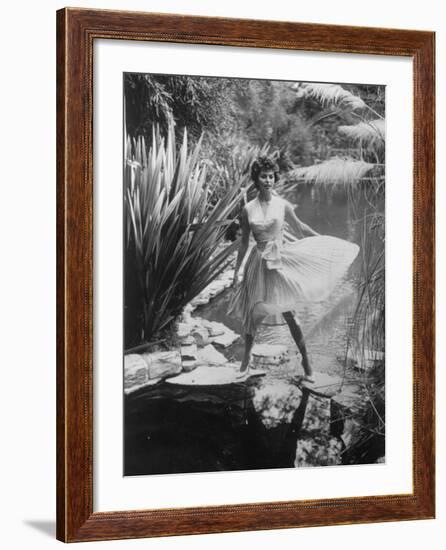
(296,223)
(244,243)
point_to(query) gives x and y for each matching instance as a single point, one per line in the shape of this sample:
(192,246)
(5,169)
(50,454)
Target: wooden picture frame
(77,29)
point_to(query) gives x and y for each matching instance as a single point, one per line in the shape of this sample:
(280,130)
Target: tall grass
(173,235)
(366,346)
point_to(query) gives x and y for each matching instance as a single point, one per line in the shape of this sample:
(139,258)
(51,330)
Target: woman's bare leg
(249,341)
(298,337)
(256,317)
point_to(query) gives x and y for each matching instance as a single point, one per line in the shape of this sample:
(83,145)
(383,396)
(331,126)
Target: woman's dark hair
(264,164)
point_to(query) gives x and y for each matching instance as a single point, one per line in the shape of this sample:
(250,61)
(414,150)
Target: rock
(269,354)
(189,366)
(215,288)
(226,339)
(135,371)
(200,300)
(317,415)
(216,329)
(186,315)
(132,389)
(184,329)
(351,399)
(187,340)
(344,408)
(201,335)
(276,403)
(206,376)
(210,356)
(351,431)
(315,449)
(324,385)
(188,353)
(163,363)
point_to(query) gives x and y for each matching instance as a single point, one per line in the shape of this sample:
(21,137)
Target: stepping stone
(215,329)
(187,341)
(324,385)
(189,365)
(184,329)
(226,339)
(269,354)
(201,335)
(188,353)
(211,376)
(206,376)
(210,356)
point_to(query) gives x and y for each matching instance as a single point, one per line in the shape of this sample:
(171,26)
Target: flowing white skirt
(310,269)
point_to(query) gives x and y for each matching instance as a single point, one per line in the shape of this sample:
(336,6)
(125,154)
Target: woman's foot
(308,371)
(242,374)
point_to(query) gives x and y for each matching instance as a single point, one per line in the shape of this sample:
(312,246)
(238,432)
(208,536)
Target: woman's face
(265,181)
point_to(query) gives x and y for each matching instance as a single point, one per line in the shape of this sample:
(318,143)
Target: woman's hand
(300,228)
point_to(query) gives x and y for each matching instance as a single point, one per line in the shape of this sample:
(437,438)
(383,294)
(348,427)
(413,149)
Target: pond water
(178,429)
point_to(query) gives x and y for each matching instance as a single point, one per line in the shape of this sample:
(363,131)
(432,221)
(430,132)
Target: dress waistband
(271,252)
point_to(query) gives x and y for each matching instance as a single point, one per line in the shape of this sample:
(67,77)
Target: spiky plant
(173,234)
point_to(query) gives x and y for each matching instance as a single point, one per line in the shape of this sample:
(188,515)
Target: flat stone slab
(212,376)
(206,376)
(225,340)
(136,387)
(324,385)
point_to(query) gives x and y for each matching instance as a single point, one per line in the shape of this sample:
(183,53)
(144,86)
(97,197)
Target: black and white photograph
(254,274)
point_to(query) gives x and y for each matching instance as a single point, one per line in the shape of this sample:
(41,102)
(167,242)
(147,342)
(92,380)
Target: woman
(279,274)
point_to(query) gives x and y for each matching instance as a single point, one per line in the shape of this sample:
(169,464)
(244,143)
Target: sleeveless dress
(278,275)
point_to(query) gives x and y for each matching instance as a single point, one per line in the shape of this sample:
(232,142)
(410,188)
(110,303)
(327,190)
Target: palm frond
(330,95)
(333,171)
(370,133)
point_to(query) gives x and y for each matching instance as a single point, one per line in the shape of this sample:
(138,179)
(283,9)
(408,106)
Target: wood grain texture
(76,31)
